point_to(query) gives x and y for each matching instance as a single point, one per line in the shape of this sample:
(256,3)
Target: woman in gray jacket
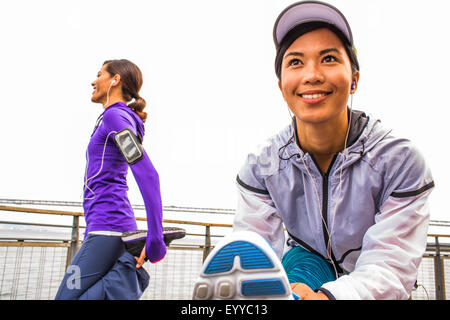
(342,202)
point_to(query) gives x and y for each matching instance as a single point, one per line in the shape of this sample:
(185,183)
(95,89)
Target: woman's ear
(281,88)
(354,83)
(115,80)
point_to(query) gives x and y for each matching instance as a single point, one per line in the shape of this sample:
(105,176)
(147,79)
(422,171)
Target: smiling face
(316,77)
(101,85)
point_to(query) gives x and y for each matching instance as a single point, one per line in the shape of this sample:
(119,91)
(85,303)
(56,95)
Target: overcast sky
(210,86)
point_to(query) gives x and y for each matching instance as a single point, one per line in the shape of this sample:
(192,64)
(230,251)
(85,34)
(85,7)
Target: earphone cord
(107,94)
(340,188)
(101,167)
(320,212)
(104,148)
(342,166)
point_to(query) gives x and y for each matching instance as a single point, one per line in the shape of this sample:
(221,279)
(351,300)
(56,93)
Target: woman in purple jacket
(104,268)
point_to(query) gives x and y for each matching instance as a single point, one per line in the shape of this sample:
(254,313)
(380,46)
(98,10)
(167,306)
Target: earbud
(353,85)
(107,93)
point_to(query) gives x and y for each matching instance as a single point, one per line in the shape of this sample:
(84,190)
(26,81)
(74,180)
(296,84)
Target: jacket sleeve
(147,180)
(256,212)
(393,247)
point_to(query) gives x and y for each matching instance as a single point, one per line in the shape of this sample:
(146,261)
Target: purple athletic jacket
(106,204)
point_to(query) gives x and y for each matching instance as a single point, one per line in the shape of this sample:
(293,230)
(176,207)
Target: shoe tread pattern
(262,287)
(251,257)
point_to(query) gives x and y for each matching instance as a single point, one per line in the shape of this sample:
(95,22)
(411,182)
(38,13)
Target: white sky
(209,83)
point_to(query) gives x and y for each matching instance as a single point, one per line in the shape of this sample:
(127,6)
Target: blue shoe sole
(245,268)
(262,287)
(251,257)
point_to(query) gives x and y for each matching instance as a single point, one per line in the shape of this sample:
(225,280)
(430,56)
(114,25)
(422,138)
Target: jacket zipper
(325,208)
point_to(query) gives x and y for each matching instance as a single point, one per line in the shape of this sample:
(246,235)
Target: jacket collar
(139,123)
(361,128)
(358,123)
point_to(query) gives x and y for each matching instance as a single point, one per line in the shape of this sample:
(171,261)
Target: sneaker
(173,233)
(242,266)
(135,240)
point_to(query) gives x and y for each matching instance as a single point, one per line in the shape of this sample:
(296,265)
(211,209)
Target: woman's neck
(323,140)
(112,100)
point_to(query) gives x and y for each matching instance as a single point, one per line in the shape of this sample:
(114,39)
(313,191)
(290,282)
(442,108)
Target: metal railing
(32,266)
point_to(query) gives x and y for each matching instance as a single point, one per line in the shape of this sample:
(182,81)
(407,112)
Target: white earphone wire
(104,148)
(101,167)
(329,231)
(107,93)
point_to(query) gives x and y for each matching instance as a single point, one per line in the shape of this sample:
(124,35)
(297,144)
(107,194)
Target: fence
(32,266)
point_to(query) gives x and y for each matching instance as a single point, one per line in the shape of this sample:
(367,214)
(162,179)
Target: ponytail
(131,78)
(138,106)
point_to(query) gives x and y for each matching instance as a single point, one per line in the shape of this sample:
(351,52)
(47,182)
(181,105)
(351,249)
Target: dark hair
(300,30)
(131,78)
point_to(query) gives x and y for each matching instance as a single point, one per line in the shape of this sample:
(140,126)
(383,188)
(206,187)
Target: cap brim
(309,11)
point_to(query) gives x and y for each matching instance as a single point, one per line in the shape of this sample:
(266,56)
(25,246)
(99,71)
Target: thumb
(141,259)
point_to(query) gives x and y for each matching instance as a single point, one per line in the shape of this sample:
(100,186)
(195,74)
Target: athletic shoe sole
(135,240)
(242,266)
(130,236)
(173,233)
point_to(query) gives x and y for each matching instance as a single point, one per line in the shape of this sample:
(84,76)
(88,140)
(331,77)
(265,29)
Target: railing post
(72,250)
(207,242)
(438,273)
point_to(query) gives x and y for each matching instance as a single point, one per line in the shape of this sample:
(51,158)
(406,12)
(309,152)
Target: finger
(140,261)
(295,286)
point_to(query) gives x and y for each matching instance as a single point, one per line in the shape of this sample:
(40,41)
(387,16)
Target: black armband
(129,145)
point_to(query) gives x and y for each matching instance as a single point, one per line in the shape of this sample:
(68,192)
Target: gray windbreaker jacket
(373,199)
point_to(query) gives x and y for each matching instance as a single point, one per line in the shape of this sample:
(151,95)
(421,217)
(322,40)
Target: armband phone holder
(129,145)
